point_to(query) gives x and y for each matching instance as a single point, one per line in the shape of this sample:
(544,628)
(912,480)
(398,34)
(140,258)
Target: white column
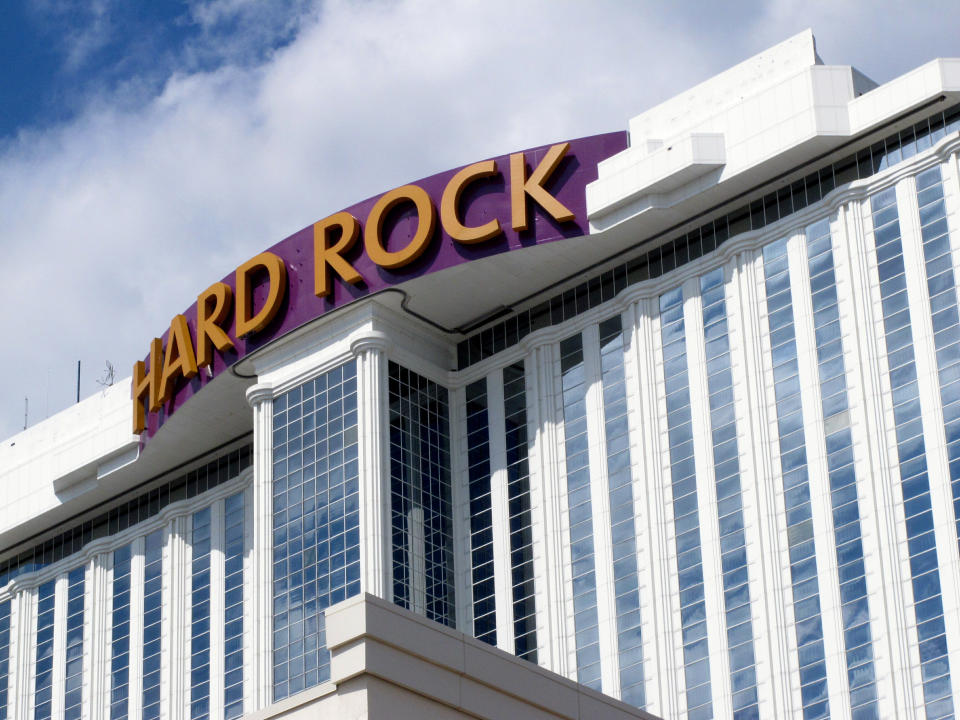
(554,603)
(663,664)
(96,639)
(821,504)
(175,648)
(600,511)
(542,570)
(259,617)
(950,575)
(771,592)
(938,468)
(374,455)
(500,512)
(24,654)
(711,562)
(872,430)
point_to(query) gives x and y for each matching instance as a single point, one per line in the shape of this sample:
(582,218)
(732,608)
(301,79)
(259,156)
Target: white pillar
(600,512)
(711,559)
(96,639)
(655,560)
(554,605)
(259,617)
(175,649)
(938,468)
(872,427)
(500,511)
(374,453)
(818,478)
(23,655)
(771,592)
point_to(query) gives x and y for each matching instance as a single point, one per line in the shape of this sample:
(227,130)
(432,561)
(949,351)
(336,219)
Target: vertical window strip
(43,686)
(421,507)
(200,617)
(622,514)
(233,512)
(942,287)
(911,450)
(4,655)
(808,625)
(316,522)
(481,514)
(857,636)
(521,524)
(120,635)
(585,621)
(686,516)
(73,673)
(152,612)
(726,465)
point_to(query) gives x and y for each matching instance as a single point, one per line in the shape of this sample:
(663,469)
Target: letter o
(373,232)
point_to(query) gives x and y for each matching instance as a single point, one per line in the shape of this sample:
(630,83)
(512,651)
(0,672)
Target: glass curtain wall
(316,522)
(420,497)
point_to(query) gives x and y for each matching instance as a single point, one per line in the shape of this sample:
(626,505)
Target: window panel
(316,514)
(911,447)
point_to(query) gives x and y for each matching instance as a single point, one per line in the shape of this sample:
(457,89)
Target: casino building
(663,421)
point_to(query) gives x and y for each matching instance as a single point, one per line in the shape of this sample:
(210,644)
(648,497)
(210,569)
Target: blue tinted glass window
(233,530)
(120,635)
(316,522)
(911,449)
(622,516)
(739,624)
(43,685)
(521,524)
(421,511)
(73,669)
(585,620)
(941,285)
(686,505)
(4,655)
(200,617)
(152,633)
(793,460)
(843,495)
(481,514)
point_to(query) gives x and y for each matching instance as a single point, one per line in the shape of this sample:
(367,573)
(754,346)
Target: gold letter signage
(335,255)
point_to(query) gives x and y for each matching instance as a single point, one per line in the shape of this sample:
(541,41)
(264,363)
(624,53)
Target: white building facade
(704,458)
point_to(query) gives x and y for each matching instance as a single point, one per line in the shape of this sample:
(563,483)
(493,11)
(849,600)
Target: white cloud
(113,223)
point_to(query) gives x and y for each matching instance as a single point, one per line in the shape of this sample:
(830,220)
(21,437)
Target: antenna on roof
(78,381)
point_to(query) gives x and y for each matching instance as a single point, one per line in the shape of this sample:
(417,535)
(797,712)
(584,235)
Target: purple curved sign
(534,197)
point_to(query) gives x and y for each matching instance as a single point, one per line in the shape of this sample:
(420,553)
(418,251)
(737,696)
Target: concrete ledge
(412,656)
(662,170)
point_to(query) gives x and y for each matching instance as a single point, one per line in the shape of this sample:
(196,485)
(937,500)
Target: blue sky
(59,55)
(148,148)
